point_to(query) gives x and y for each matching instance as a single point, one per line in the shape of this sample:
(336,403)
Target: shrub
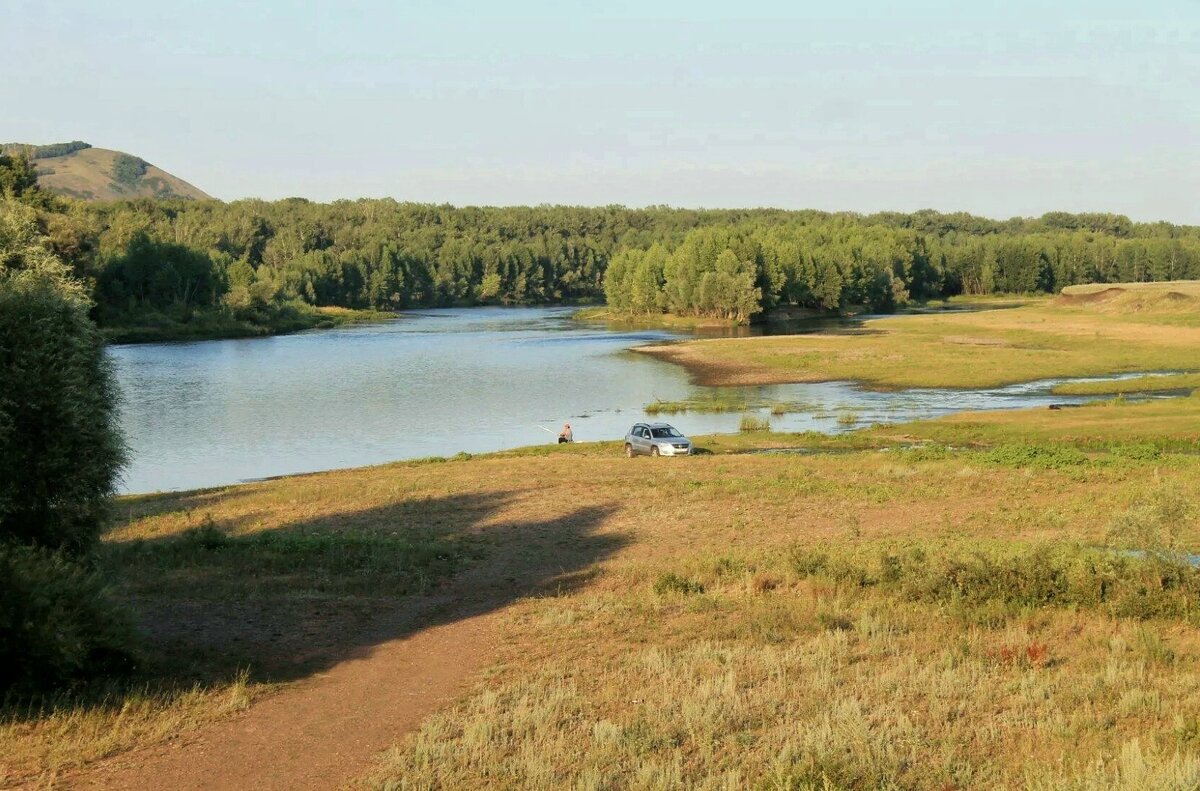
(1137,451)
(1122,583)
(673,583)
(128,169)
(58,622)
(1041,457)
(1155,524)
(60,448)
(925,453)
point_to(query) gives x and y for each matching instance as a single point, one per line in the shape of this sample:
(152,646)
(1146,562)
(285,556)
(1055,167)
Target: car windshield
(664,433)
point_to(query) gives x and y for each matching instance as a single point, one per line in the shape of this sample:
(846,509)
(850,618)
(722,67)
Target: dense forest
(175,262)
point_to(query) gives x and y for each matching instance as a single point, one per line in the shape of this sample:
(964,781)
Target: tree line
(250,259)
(382,254)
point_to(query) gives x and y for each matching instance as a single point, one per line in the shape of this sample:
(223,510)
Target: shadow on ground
(286,603)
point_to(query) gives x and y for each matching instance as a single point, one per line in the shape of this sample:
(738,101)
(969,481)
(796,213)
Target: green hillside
(79,170)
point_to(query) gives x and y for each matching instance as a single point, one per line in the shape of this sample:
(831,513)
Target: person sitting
(566,434)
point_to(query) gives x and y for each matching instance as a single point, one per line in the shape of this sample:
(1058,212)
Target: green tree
(60,447)
(18,177)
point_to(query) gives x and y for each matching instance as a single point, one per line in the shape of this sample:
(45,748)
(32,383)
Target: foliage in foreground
(58,622)
(60,454)
(60,447)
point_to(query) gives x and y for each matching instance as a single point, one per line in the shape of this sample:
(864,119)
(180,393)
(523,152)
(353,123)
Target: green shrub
(207,537)
(1040,457)
(1155,524)
(58,622)
(673,583)
(60,449)
(1126,584)
(1137,451)
(925,453)
(127,170)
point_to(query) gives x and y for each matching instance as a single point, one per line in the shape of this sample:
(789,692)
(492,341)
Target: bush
(673,583)
(60,448)
(1125,584)
(127,170)
(58,622)
(1041,457)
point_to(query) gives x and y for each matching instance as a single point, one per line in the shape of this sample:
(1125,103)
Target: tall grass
(750,423)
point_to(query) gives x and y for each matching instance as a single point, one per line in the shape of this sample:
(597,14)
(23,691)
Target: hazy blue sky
(999,108)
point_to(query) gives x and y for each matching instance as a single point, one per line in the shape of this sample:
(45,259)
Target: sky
(997,108)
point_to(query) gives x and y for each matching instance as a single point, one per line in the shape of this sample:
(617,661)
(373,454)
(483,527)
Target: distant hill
(78,170)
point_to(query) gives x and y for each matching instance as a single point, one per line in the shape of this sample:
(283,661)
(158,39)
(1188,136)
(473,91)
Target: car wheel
(628,451)
(654,451)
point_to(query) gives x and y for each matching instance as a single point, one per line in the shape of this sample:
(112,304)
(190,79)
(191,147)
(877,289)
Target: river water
(436,382)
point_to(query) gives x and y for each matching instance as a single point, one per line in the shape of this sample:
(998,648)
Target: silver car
(656,439)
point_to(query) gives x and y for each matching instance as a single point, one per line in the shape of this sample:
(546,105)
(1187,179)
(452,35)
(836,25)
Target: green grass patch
(1140,384)
(1038,457)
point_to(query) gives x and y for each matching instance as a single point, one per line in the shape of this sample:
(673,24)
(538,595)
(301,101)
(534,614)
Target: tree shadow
(282,604)
(293,601)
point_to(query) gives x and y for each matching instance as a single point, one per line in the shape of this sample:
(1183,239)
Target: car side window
(642,431)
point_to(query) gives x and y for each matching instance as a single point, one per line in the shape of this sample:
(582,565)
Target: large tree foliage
(60,448)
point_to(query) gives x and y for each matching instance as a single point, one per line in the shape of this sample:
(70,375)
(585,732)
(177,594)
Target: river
(437,382)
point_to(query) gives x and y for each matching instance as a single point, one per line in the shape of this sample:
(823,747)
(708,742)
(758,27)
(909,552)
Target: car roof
(659,425)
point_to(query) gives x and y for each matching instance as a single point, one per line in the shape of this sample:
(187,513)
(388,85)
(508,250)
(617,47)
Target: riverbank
(219,325)
(601,612)
(1112,332)
(669,321)
(785,315)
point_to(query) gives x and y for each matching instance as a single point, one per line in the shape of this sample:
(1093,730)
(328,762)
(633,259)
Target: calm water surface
(437,382)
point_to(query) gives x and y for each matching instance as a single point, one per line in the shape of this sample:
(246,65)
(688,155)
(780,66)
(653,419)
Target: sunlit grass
(1143,330)
(700,653)
(1140,384)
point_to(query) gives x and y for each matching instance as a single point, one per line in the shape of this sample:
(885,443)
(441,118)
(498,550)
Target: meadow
(987,600)
(1155,327)
(736,634)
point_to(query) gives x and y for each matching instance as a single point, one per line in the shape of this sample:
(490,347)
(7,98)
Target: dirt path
(322,732)
(415,655)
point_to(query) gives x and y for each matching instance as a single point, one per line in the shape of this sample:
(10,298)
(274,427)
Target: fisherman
(566,434)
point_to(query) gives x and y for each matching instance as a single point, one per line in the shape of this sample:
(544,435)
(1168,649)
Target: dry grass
(68,734)
(1150,329)
(1191,287)
(809,688)
(88,174)
(737,672)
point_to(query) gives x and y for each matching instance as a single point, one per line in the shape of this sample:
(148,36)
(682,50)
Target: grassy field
(698,642)
(1138,384)
(1148,327)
